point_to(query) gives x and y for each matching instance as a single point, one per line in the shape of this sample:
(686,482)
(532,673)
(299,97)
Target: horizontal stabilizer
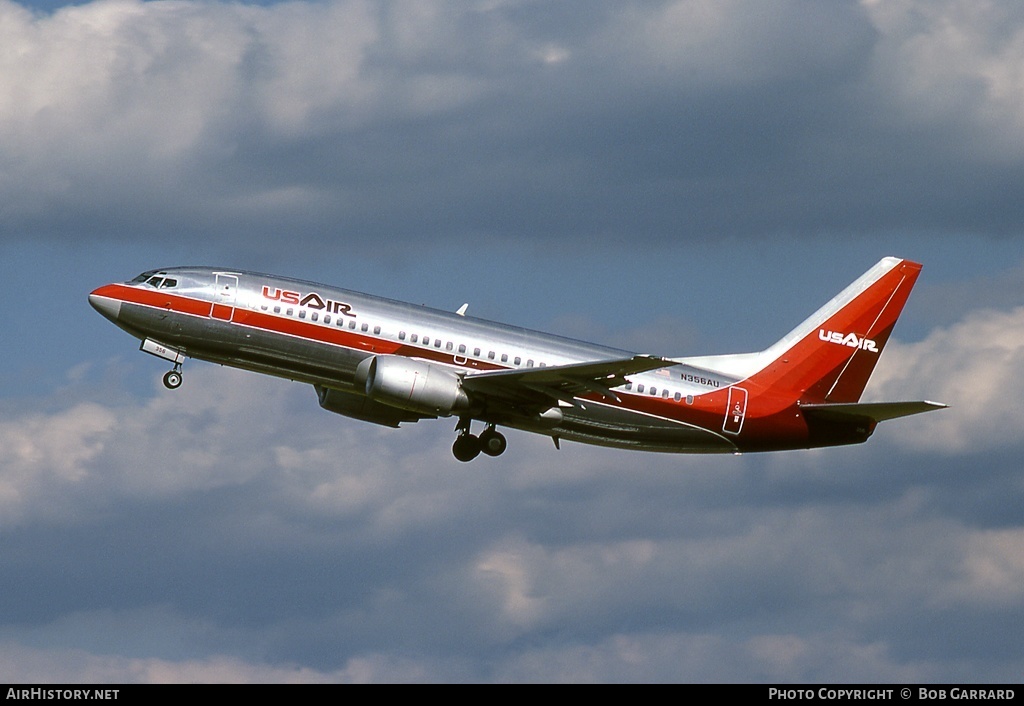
(875,411)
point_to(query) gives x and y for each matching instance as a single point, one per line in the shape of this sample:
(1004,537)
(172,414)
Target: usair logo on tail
(850,340)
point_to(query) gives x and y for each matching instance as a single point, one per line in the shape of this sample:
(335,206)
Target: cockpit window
(155,278)
(143,277)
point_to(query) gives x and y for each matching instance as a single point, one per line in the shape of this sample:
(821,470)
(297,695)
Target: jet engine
(362,407)
(412,385)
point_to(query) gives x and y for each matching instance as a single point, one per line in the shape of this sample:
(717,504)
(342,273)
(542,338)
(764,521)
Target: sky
(672,177)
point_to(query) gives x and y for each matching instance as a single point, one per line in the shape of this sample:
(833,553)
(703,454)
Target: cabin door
(224,302)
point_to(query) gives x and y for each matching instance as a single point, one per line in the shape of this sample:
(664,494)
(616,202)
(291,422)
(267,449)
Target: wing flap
(549,385)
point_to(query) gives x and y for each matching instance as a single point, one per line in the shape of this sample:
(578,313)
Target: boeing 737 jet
(387,362)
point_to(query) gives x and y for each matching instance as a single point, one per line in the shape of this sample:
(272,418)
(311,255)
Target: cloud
(232,530)
(27,665)
(358,123)
(958,63)
(992,568)
(976,366)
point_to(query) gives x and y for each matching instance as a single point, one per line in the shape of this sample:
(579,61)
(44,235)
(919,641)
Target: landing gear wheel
(492,442)
(466,447)
(172,380)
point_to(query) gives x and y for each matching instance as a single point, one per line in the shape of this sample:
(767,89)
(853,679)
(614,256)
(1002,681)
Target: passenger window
(437,343)
(401,335)
(376,330)
(654,391)
(518,360)
(462,348)
(529,363)
(629,385)
(664,394)
(290,311)
(490,355)
(277,310)
(415,337)
(327,318)
(504,357)
(302,313)
(449,346)
(679,396)
(352,324)
(689,399)
(640,387)
(364,328)
(426,340)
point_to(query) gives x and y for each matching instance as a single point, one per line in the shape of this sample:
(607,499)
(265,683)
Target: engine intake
(412,385)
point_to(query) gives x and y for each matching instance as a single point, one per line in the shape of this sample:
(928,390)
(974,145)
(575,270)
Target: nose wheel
(172,379)
(467,446)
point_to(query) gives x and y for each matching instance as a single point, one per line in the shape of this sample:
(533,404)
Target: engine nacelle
(413,385)
(362,407)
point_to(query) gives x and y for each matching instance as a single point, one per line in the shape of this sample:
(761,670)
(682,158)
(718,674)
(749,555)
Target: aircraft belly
(285,356)
(246,347)
(608,425)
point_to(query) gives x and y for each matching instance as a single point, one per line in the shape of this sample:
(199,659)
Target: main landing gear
(467,447)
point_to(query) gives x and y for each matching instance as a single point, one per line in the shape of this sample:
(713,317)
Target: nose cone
(107,305)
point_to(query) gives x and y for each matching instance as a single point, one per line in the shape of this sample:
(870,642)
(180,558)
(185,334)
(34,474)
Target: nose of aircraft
(109,306)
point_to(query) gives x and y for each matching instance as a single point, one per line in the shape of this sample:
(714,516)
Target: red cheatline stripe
(327,333)
(273,323)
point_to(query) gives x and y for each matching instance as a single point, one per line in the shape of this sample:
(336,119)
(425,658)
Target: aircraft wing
(876,411)
(549,385)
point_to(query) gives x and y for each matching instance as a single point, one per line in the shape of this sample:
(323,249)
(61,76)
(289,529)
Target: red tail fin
(830,356)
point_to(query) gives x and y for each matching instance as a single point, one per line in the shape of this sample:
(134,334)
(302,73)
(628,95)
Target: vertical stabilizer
(830,356)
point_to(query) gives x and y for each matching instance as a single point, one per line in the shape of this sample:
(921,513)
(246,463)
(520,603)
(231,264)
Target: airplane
(388,362)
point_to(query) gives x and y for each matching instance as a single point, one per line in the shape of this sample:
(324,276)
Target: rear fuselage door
(226,288)
(735,411)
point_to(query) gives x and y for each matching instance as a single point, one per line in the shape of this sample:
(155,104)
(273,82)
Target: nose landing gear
(172,379)
(467,446)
